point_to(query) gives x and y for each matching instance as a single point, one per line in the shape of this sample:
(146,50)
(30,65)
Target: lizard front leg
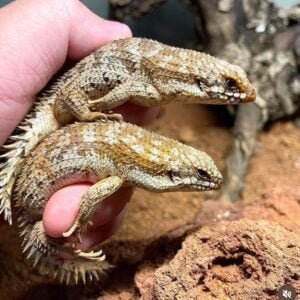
(141,93)
(74,103)
(90,200)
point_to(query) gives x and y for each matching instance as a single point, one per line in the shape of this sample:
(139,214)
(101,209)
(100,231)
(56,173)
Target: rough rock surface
(279,204)
(231,261)
(242,259)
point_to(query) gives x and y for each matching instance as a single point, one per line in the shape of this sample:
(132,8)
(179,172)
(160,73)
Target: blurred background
(101,6)
(174,24)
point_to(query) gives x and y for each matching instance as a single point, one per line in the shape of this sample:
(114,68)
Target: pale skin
(37,38)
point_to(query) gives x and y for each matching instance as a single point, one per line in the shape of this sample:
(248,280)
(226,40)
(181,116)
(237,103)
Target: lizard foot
(113,116)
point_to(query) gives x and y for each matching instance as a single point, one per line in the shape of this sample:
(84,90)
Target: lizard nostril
(252,95)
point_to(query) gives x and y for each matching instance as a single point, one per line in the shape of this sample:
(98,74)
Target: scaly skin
(110,155)
(138,70)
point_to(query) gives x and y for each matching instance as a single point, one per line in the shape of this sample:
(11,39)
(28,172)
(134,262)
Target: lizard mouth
(201,185)
(231,97)
(216,183)
(236,97)
(209,185)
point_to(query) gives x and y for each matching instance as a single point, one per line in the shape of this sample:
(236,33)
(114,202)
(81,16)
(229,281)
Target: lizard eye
(231,84)
(203,175)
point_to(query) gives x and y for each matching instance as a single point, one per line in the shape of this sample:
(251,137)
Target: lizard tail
(46,254)
(12,154)
(26,136)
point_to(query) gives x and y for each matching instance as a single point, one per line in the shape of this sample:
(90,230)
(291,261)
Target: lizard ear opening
(201,82)
(171,175)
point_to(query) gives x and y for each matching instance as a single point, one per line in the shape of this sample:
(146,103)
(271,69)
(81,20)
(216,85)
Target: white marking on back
(111,140)
(154,158)
(129,139)
(138,148)
(89,136)
(154,151)
(154,51)
(156,142)
(139,133)
(166,157)
(175,152)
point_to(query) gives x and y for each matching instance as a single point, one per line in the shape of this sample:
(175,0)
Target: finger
(36,38)
(101,31)
(136,114)
(111,207)
(62,208)
(97,235)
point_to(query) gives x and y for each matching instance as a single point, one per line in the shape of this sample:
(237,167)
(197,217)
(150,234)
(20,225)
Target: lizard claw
(73,228)
(77,229)
(92,255)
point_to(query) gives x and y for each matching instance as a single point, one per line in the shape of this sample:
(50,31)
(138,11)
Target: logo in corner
(287,292)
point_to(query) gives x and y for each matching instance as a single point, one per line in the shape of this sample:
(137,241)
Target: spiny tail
(36,126)
(44,252)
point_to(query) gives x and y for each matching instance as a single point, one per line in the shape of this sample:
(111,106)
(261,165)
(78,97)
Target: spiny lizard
(110,155)
(138,70)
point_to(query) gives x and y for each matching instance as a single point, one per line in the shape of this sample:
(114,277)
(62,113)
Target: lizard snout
(251,95)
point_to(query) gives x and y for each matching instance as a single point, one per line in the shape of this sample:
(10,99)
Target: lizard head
(192,170)
(178,167)
(225,83)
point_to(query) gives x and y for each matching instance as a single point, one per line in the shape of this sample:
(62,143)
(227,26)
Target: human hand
(36,39)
